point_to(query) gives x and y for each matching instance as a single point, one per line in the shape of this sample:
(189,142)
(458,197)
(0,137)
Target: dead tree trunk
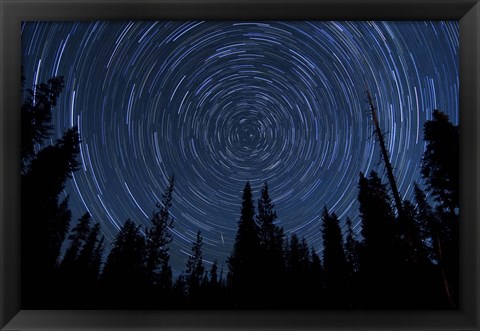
(386,159)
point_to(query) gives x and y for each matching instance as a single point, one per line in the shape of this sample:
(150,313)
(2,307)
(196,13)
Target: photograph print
(240,165)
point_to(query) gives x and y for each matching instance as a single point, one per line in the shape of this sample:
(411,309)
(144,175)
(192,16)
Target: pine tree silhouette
(214,280)
(195,270)
(78,237)
(440,169)
(297,263)
(243,263)
(379,258)
(158,237)
(334,261)
(124,278)
(440,163)
(45,220)
(351,248)
(36,116)
(80,266)
(315,291)
(271,266)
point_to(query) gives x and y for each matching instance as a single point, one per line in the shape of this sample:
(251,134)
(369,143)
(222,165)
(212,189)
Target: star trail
(220,103)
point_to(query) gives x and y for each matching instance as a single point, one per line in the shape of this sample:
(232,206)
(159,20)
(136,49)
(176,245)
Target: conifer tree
(304,253)
(265,219)
(157,239)
(380,260)
(81,264)
(297,255)
(440,169)
(292,253)
(36,116)
(243,263)
(214,280)
(376,213)
(315,281)
(124,276)
(425,218)
(78,238)
(271,266)
(58,225)
(352,255)
(440,163)
(53,165)
(334,261)
(179,290)
(90,257)
(411,235)
(45,219)
(97,260)
(297,264)
(195,269)
(417,269)
(351,248)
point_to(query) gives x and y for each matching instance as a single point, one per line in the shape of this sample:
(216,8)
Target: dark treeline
(406,260)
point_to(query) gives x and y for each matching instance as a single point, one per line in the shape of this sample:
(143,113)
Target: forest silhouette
(399,260)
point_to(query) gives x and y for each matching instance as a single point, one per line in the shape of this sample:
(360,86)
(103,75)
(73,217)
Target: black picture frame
(12,317)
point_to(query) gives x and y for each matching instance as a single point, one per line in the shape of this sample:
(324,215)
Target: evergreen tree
(70,282)
(440,163)
(304,254)
(97,260)
(292,253)
(271,266)
(315,281)
(334,261)
(297,255)
(243,263)
(351,248)
(77,237)
(58,226)
(45,220)
(179,293)
(297,263)
(437,239)
(440,169)
(412,236)
(214,280)
(265,219)
(36,116)
(417,270)
(157,239)
(195,269)
(53,166)
(428,224)
(90,257)
(352,253)
(380,260)
(376,213)
(79,269)
(214,294)
(430,280)
(124,276)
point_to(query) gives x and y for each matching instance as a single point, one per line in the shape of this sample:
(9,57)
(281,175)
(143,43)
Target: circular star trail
(220,103)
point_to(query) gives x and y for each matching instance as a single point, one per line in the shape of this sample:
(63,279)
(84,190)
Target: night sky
(220,103)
